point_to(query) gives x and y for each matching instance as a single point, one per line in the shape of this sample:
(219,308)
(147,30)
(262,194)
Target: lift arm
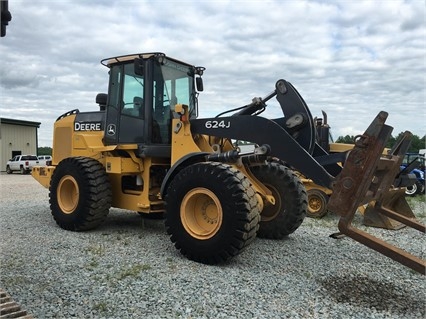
(367,175)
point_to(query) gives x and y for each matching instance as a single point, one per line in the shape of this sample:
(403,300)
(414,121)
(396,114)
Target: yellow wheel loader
(147,151)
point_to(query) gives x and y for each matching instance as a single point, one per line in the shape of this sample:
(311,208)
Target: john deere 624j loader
(147,151)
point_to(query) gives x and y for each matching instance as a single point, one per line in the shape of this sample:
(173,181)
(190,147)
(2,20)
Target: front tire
(212,212)
(80,194)
(317,203)
(8,170)
(279,220)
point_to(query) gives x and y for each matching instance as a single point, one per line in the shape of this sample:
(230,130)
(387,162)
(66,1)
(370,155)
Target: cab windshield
(177,81)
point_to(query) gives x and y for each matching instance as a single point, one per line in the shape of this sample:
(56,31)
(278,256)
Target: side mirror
(101,99)
(138,66)
(199,84)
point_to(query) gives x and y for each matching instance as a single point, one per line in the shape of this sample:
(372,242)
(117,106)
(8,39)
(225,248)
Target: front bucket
(393,200)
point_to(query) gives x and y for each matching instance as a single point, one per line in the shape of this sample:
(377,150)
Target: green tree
(348,139)
(417,143)
(44,150)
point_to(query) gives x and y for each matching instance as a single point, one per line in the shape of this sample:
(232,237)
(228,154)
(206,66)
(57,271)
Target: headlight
(422,175)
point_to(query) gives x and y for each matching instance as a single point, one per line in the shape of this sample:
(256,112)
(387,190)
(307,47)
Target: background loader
(146,151)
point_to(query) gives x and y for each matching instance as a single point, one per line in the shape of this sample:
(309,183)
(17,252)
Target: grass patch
(92,265)
(100,307)
(16,281)
(96,249)
(133,271)
(171,264)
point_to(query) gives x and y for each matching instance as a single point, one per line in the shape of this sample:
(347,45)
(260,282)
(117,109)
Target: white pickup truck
(44,160)
(21,163)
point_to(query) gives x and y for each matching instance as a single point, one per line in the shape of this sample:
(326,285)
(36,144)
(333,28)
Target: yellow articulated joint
(259,187)
(43,174)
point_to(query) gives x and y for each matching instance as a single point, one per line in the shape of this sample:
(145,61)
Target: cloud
(349,58)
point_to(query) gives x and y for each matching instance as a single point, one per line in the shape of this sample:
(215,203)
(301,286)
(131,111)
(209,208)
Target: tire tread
(97,193)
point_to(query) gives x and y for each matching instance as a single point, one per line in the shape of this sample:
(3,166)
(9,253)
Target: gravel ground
(128,268)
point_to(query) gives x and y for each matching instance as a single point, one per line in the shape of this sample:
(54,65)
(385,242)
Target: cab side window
(132,93)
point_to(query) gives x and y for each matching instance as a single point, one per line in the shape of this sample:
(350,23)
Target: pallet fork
(366,178)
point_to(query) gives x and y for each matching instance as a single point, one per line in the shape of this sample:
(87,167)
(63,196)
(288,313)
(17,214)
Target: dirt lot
(128,268)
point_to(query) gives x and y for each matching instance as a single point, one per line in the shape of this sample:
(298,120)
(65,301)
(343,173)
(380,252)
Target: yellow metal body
(340,147)
(309,184)
(68,143)
(43,174)
(145,197)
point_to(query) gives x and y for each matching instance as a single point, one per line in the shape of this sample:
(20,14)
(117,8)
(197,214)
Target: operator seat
(138,107)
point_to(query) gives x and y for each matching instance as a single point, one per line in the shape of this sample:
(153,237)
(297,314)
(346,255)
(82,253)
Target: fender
(183,162)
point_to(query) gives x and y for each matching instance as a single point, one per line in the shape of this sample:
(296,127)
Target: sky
(350,58)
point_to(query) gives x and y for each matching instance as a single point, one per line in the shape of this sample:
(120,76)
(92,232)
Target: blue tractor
(414,163)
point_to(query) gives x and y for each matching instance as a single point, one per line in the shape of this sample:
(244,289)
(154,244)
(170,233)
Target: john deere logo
(111,129)
(87,126)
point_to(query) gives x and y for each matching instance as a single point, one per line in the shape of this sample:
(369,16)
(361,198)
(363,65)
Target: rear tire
(412,190)
(279,220)
(317,203)
(422,189)
(212,212)
(80,194)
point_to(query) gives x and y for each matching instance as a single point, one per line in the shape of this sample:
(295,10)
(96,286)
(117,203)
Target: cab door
(125,120)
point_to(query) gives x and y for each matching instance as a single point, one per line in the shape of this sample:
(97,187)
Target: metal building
(17,137)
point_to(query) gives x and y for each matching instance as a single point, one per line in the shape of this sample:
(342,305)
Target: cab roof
(108,62)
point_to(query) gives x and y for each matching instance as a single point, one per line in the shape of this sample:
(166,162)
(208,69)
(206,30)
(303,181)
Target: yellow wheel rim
(270,211)
(315,204)
(67,194)
(201,213)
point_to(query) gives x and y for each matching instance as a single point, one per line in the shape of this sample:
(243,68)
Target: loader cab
(143,91)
